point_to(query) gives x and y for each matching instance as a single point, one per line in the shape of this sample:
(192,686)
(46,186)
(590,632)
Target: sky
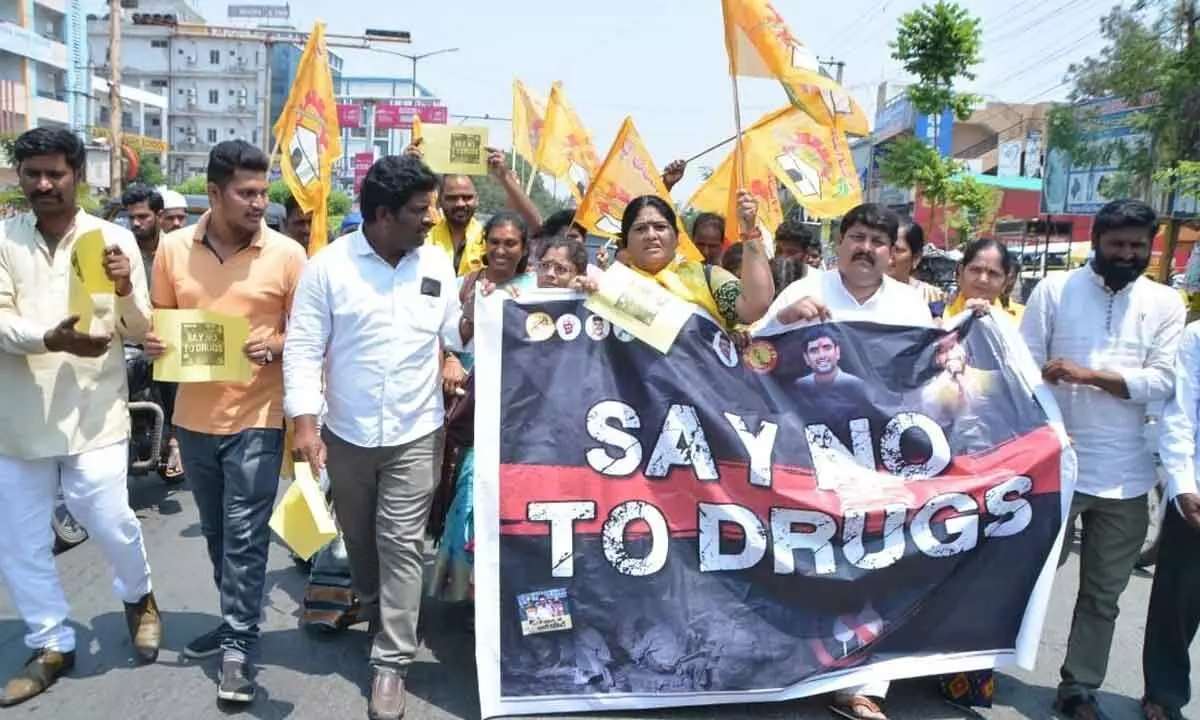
(663,62)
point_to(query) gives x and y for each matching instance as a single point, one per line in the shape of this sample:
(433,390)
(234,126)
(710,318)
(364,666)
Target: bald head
(458,199)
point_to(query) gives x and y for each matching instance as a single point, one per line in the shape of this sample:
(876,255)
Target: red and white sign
(349,116)
(362,163)
(399,117)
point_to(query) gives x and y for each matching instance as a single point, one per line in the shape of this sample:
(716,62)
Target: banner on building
(362,163)
(1008,159)
(829,506)
(350,116)
(400,117)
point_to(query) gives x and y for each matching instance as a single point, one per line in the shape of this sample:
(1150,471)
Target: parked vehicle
(146,421)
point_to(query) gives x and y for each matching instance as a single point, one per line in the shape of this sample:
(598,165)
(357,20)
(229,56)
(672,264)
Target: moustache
(863,256)
(53,194)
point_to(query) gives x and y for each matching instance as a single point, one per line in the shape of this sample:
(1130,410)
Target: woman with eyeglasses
(563,258)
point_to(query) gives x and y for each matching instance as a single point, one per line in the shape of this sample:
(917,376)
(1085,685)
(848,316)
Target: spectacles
(551,267)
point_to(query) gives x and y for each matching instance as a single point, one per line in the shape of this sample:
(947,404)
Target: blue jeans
(234,479)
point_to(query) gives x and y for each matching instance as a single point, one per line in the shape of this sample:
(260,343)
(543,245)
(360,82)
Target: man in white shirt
(391,303)
(66,420)
(1174,612)
(858,289)
(1106,338)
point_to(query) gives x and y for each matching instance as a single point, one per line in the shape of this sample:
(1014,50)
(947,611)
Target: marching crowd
(365,353)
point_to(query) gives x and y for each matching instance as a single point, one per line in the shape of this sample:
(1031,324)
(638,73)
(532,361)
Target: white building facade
(42,63)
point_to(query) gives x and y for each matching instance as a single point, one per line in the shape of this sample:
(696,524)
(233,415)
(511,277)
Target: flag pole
(533,171)
(712,147)
(737,126)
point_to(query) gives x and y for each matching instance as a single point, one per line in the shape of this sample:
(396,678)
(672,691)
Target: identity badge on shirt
(431,287)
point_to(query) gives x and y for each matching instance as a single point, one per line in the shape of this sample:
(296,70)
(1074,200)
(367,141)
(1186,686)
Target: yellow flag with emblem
(760,44)
(718,194)
(626,173)
(309,137)
(528,120)
(565,149)
(812,161)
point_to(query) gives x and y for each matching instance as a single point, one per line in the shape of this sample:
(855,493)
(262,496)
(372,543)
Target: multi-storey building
(220,81)
(43,64)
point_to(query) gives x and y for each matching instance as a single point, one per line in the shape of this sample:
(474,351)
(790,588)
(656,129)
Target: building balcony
(232,110)
(52,109)
(29,44)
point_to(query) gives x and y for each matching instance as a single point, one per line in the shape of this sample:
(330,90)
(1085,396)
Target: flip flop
(859,707)
(174,468)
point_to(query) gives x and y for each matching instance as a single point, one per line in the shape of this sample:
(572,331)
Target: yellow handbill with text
(638,305)
(202,346)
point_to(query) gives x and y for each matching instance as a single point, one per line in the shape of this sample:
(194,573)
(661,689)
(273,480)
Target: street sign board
(260,12)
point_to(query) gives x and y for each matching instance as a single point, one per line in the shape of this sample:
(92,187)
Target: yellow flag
(309,136)
(416,127)
(528,119)
(628,172)
(565,149)
(718,194)
(811,160)
(760,45)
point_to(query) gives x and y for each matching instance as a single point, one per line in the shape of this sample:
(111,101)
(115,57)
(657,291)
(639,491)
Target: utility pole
(115,114)
(839,68)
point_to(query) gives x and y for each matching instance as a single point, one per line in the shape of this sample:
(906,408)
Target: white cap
(173,200)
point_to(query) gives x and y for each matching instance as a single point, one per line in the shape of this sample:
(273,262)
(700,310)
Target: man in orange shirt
(231,434)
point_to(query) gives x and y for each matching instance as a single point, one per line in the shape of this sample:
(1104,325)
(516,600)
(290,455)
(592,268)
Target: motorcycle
(146,424)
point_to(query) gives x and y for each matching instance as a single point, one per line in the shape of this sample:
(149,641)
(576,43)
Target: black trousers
(1174,614)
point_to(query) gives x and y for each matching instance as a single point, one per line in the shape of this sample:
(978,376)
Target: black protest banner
(828,506)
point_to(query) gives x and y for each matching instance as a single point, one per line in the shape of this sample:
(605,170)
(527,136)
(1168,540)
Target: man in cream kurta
(67,423)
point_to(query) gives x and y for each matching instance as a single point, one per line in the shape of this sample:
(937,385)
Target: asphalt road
(303,676)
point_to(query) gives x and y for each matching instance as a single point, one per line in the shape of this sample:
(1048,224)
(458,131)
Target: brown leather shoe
(145,627)
(387,695)
(43,668)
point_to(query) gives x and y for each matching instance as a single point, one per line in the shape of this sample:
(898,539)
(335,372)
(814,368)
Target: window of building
(155,122)
(160,43)
(212,135)
(214,57)
(254,138)
(214,97)
(158,83)
(358,132)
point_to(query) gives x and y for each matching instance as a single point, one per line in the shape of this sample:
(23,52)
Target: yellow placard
(640,306)
(302,519)
(202,346)
(455,149)
(89,289)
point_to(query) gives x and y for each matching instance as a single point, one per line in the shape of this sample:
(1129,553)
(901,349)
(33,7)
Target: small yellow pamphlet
(455,149)
(202,346)
(302,519)
(90,286)
(640,306)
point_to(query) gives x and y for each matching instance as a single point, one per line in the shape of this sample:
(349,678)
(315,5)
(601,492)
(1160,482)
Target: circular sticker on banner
(597,328)
(726,351)
(539,326)
(761,356)
(622,334)
(569,327)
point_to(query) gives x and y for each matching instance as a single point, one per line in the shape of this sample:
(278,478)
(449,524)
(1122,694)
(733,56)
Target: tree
(150,170)
(939,45)
(973,208)
(1151,56)
(195,185)
(339,202)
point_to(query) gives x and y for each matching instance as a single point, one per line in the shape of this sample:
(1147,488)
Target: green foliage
(150,171)
(975,206)
(939,44)
(492,198)
(14,197)
(1151,53)
(195,185)
(6,146)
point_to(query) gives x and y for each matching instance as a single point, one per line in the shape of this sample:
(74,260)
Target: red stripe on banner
(1035,455)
